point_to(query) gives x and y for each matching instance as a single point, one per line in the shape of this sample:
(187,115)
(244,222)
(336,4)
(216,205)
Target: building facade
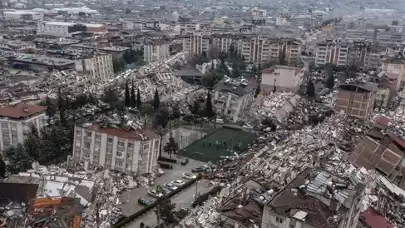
(68,29)
(283,78)
(331,52)
(126,150)
(394,68)
(356,100)
(156,50)
(16,122)
(196,43)
(96,67)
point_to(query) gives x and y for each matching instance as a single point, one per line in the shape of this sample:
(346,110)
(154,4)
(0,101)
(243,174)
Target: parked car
(184,162)
(198,170)
(154,193)
(166,190)
(144,201)
(171,186)
(189,176)
(178,182)
(118,219)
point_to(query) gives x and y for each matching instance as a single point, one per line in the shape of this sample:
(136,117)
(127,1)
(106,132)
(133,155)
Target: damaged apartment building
(126,149)
(316,199)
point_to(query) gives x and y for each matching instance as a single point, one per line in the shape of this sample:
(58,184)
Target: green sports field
(220,143)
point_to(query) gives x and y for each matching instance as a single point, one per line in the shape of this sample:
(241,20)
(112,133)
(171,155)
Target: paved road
(182,200)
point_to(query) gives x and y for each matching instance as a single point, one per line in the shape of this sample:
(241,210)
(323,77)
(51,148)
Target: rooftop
(126,133)
(374,220)
(319,197)
(366,87)
(277,67)
(21,110)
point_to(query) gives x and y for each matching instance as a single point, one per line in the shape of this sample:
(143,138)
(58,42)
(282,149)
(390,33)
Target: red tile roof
(374,220)
(21,110)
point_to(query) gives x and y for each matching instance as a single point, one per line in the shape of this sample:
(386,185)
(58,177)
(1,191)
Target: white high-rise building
(156,50)
(125,150)
(16,122)
(96,67)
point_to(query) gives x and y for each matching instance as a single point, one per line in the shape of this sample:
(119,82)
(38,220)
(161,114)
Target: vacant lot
(223,142)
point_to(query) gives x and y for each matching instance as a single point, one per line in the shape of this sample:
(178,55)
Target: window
(108,162)
(88,134)
(120,144)
(98,137)
(13,126)
(86,155)
(87,145)
(4,125)
(279,220)
(129,156)
(145,146)
(118,163)
(130,145)
(77,143)
(127,166)
(78,133)
(109,140)
(119,154)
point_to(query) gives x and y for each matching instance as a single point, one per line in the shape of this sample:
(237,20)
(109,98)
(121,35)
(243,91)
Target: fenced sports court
(223,142)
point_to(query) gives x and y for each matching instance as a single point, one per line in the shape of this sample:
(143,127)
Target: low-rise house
(316,199)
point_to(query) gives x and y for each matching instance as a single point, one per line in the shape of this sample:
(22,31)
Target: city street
(182,200)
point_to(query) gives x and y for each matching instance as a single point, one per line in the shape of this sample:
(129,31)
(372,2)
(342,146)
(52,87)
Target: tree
(142,225)
(138,100)
(171,147)
(176,114)
(118,65)
(329,70)
(232,51)
(166,208)
(133,99)
(161,118)
(156,100)
(18,158)
(50,109)
(62,106)
(310,89)
(330,82)
(32,143)
(258,90)
(195,109)
(147,109)
(235,70)
(282,58)
(127,100)
(110,96)
(254,69)
(209,112)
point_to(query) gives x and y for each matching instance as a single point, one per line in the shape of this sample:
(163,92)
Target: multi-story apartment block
(222,43)
(394,68)
(332,52)
(16,122)
(196,43)
(263,49)
(230,99)
(283,78)
(356,100)
(96,67)
(156,50)
(316,199)
(122,149)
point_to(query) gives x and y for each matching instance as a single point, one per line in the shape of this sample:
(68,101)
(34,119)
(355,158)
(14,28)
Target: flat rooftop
(126,133)
(21,111)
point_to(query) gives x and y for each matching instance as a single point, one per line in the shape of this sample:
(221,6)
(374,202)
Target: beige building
(394,68)
(284,78)
(259,49)
(196,43)
(316,199)
(96,67)
(126,150)
(16,122)
(156,50)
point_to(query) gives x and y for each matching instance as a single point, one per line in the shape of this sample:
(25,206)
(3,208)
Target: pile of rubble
(305,113)
(275,105)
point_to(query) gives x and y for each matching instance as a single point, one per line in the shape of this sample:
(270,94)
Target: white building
(331,52)
(96,67)
(284,78)
(16,122)
(126,150)
(67,29)
(156,50)
(17,15)
(196,44)
(231,99)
